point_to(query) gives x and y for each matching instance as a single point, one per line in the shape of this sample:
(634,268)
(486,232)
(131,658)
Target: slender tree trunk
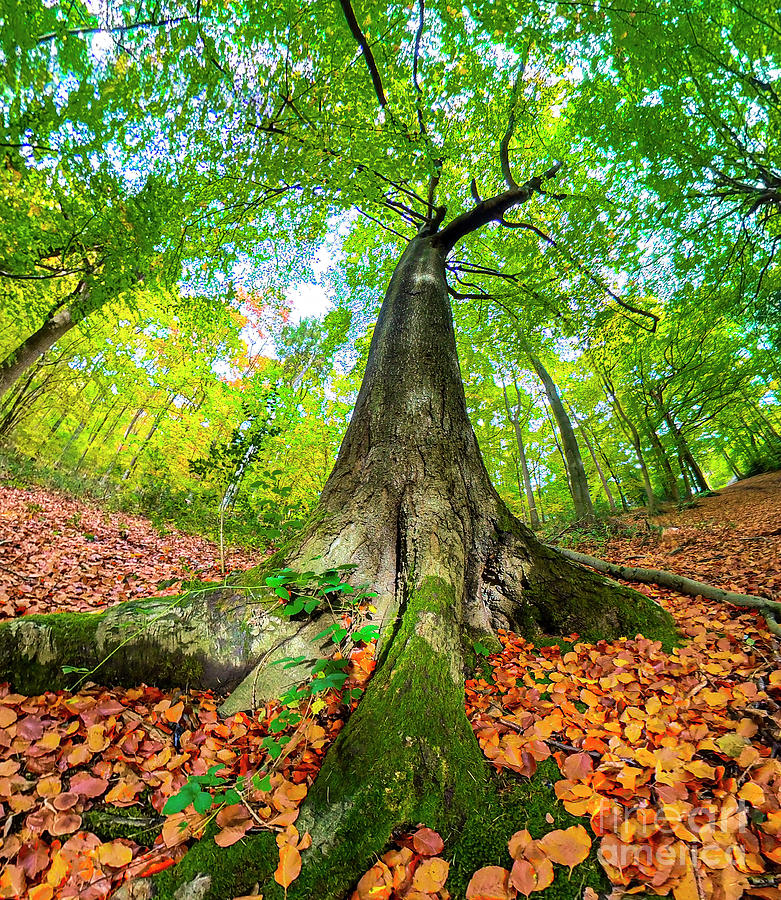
(609,466)
(16,397)
(58,323)
(603,481)
(578,482)
(733,468)
(148,437)
(668,476)
(637,444)
(534,519)
(128,431)
(686,453)
(521,496)
(687,487)
(93,435)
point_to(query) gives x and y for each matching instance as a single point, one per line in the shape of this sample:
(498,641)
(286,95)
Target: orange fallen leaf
(567,847)
(289,867)
(431,875)
(174,713)
(490,883)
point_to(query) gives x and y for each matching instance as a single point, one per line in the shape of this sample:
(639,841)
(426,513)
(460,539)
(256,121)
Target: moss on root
(576,600)
(407,756)
(36,647)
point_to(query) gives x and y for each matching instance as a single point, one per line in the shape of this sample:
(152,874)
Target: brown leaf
(490,883)
(427,842)
(376,884)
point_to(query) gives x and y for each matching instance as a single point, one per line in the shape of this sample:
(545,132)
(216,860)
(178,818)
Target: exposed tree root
(770,609)
(208,637)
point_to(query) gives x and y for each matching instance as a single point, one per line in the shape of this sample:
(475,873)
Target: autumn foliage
(669,759)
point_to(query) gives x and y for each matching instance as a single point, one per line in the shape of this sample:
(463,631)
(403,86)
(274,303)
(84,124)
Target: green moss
(34,664)
(234,870)
(575,600)
(139,823)
(515,803)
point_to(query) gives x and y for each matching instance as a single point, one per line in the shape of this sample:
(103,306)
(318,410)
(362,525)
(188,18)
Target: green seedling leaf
(261,784)
(202,802)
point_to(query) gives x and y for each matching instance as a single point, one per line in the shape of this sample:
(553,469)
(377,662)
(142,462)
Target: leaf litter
(670,759)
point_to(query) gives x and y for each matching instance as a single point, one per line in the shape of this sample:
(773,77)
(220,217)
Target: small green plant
(299,593)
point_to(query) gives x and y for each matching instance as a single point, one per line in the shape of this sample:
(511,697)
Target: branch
(368,56)
(118,29)
(587,272)
(770,609)
(491,210)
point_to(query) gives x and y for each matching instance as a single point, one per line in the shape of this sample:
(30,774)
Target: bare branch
(368,56)
(118,29)
(491,210)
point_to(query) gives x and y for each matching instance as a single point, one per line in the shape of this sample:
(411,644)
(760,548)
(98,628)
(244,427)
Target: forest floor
(668,760)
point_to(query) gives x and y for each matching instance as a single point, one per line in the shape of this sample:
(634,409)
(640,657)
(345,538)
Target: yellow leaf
(752,793)
(568,846)
(289,866)
(115,854)
(686,889)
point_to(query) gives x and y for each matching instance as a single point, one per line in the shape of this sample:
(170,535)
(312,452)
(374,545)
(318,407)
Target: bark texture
(410,506)
(58,323)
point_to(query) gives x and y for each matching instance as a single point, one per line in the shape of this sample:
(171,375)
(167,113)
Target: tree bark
(410,507)
(581,498)
(58,323)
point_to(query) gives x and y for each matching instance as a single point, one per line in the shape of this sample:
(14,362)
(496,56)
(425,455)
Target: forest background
(173,178)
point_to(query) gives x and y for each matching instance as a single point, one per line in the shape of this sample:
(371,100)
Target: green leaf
(261,784)
(202,802)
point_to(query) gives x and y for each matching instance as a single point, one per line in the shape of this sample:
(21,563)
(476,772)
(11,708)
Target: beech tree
(411,118)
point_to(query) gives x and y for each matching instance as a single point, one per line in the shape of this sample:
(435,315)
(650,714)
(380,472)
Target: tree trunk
(93,435)
(17,401)
(576,472)
(637,444)
(147,438)
(410,506)
(115,458)
(668,476)
(534,519)
(603,481)
(686,454)
(733,468)
(611,471)
(59,322)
